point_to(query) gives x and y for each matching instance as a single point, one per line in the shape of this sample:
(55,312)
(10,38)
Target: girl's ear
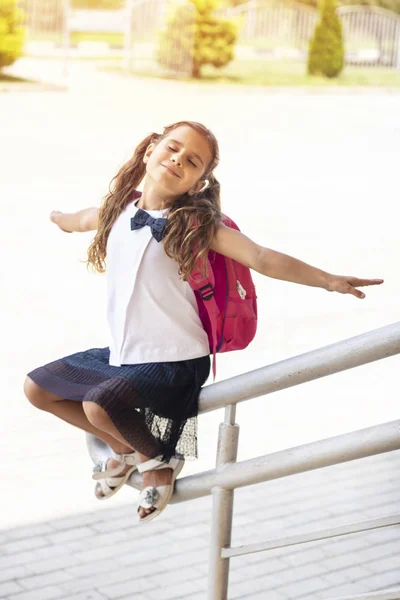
(199,187)
(148,152)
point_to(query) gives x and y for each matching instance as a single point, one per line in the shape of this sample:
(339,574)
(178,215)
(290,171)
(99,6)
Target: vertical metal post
(397,46)
(127,60)
(222,512)
(66,37)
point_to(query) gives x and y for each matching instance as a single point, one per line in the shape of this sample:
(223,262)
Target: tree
(195,36)
(326,51)
(12,33)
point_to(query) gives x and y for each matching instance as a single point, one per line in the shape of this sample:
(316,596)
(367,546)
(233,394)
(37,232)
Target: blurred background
(255,42)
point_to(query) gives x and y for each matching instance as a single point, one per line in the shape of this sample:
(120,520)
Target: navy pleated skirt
(166,394)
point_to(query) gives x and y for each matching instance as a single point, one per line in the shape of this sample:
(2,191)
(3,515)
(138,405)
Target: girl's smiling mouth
(171,170)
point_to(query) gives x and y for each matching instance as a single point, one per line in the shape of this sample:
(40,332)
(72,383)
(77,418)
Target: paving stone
(88,596)
(118,590)
(352,574)
(306,587)
(100,580)
(48,593)
(382,580)
(28,532)
(8,588)
(347,589)
(69,535)
(49,565)
(48,579)
(174,592)
(175,577)
(24,545)
(13,573)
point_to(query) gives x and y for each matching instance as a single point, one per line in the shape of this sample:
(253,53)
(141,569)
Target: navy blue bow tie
(157,226)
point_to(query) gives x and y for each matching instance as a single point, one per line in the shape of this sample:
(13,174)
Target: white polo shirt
(152,313)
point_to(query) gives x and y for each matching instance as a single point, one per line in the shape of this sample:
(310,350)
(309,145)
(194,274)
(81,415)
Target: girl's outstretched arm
(233,244)
(84,220)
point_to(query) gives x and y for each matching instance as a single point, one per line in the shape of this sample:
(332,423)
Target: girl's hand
(55,218)
(349,285)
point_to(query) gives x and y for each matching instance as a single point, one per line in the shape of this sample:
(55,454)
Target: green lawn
(113,39)
(281,73)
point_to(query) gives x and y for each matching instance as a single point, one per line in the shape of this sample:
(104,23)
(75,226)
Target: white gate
(273,31)
(372,36)
(148,23)
(46,40)
(46,25)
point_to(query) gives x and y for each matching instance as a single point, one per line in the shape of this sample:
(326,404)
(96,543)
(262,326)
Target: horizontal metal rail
(323,453)
(312,536)
(341,356)
(347,354)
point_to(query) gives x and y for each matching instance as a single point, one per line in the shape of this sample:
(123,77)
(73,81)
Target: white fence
(145,26)
(277,31)
(266,32)
(372,36)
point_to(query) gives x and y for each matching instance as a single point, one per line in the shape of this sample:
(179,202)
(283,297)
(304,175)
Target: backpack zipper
(226,304)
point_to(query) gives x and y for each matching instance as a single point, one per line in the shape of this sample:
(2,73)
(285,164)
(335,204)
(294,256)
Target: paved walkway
(105,555)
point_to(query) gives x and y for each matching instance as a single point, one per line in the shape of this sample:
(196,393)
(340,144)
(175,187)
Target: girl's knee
(36,395)
(96,415)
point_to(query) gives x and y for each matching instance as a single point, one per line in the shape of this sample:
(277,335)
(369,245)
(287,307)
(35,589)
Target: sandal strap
(130,458)
(156,464)
(151,465)
(105,488)
(101,472)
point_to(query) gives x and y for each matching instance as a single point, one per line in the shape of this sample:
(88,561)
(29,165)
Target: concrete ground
(312,175)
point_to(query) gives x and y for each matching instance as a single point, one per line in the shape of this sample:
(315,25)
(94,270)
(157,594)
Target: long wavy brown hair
(192,220)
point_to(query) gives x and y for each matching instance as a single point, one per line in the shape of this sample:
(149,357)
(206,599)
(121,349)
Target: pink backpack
(227,303)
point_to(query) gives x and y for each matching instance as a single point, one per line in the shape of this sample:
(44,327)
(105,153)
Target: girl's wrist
(328,282)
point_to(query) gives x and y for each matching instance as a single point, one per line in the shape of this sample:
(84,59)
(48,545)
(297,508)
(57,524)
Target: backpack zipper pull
(241,291)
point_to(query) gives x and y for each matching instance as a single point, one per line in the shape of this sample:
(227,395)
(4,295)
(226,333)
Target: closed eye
(192,163)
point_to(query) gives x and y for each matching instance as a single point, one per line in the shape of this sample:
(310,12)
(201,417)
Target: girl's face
(179,161)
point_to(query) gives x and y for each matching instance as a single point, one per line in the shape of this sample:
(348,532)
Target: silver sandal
(111,480)
(158,497)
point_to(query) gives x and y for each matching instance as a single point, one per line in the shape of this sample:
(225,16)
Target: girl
(140,395)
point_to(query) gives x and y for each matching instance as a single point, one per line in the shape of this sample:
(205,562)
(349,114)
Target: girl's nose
(176,159)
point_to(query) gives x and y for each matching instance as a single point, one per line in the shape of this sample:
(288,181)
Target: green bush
(195,36)
(12,33)
(326,51)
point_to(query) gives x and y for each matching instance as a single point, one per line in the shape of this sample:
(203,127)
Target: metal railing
(228,474)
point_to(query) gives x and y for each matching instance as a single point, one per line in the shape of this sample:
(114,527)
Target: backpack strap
(205,286)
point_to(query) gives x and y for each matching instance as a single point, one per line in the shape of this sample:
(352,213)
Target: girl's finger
(355,292)
(363,282)
(358,293)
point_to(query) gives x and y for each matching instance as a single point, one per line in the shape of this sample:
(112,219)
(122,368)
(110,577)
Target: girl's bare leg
(72,412)
(145,441)
(92,418)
